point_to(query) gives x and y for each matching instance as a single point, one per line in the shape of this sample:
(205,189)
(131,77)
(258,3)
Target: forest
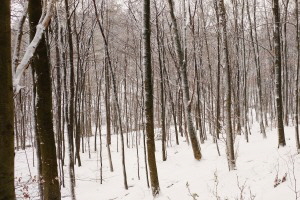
(149,99)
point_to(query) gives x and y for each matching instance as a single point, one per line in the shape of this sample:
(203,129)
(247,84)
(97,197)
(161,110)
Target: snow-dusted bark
(228,123)
(185,85)
(70,108)
(255,50)
(297,79)
(41,27)
(277,61)
(114,84)
(17,46)
(44,127)
(148,83)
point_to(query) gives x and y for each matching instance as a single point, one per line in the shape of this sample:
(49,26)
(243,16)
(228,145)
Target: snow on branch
(19,38)
(44,23)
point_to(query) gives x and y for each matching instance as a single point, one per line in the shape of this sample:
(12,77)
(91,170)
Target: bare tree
(148,84)
(44,22)
(229,134)
(297,78)
(277,65)
(44,115)
(185,85)
(70,109)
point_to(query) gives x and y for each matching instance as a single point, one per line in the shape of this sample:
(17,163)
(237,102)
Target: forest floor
(181,177)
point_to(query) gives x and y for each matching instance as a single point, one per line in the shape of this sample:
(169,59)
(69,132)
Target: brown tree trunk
(277,62)
(44,115)
(7,189)
(148,83)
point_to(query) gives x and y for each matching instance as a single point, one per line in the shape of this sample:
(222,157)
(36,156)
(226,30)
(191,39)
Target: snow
(181,176)
(30,50)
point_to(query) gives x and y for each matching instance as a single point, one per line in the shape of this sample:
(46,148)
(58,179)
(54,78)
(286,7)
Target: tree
(44,115)
(148,82)
(70,109)
(30,51)
(119,120)
(255,50)
(229,135)
(277,65)
(185,85)
(218,124)
(162,90)
(7,189)
(297,78)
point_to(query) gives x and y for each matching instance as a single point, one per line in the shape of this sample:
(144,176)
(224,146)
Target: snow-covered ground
(181,177)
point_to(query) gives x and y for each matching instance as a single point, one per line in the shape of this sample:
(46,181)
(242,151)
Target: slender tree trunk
(277,62)
(70,118)
(285,64)
(297,78)
(218,124)
(244,76)
(237,111)
(255,51)
(162,91)
(229,134)
(185,86)
(148,83)
(59,124)
(118,110)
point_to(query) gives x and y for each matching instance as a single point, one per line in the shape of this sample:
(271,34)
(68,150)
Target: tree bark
(229,134)
(297,78)
(185,86)
(7,189)
(44,115)
(255,50)
(148,83)
(277,65)
(70,118)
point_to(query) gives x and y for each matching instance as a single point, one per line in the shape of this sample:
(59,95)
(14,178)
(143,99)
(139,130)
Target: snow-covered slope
(181,177)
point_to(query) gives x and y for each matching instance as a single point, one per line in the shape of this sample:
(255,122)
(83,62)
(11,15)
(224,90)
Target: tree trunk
(162,90)
(229,135)
(277,62)
(148,83)
(70,118)
(7,189)
(297,79)
(44,115)
(218,124)
(255,49)
(185,86)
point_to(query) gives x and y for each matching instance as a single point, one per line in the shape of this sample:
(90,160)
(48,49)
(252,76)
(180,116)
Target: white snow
(258,163)
(30,50)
